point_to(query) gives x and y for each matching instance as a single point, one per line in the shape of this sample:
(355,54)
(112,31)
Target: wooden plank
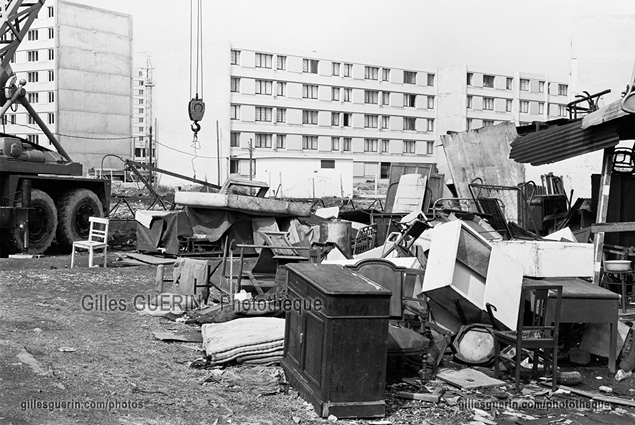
(149,259)
(468,379)
(603,205)
(610,112)
(433,397)
(626,226)
(483,153)
(599,397)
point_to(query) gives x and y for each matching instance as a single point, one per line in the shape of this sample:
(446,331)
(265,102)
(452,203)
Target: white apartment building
(142,84)
(325,119)
(77,61)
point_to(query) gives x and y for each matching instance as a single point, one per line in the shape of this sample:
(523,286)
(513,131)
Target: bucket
(339,232)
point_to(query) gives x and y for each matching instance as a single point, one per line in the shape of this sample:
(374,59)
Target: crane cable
(196,107)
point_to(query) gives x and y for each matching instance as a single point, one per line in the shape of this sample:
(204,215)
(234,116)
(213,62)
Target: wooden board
(483,153)
(149,259)
(468,379)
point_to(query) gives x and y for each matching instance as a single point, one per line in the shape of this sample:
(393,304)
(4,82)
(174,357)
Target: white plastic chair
(97,239)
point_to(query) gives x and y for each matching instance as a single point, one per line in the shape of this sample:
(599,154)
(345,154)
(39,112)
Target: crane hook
(196,127)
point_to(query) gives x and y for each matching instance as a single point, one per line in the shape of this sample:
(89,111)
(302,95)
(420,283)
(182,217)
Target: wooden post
(603,206)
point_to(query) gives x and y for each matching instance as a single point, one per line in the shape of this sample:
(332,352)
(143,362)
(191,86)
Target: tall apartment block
(470,98)
(310,124)
(77,61)
(142,115)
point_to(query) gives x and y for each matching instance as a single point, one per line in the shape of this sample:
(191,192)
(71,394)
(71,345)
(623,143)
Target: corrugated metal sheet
(564,141)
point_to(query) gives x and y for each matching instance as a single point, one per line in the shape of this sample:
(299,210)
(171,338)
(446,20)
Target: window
(32,77)
(508,105)
(524,84)
(141,129)
(488,81)
(524,106)
(327,163)
(51,33)
(141,110)
(488,123)
(385,122)
(470,77)
(370,121)
(309,142)
(34,138)
(141,92)
(50,10)
(31,120)
(562,89)
(263,60)
(281,141)
(263,140)
(430,102)
(385,145)
(346,144)
(335,119)
(409,77)
(541,86)
(431,80)
(234,139)
(430,124)
(335,68)
(348,69)
(429,148)
(385,74)
(263,114)
(140,120)
(51,54)
(409,100)
(509,83)
(562,110)
(235,84)
(263,87)
(310,66)
(140,101)
(488,103)
(469,102)
(32,35)
(234,166)
(347,95)
(371,73)
(309,117)
(385,98)
(347,120)
(409,123)
(335,143)
(371,96)
(335,93)
(281,89)
(141,82)
(541,108)
(309,92)
(409,146)
(370,145)
(234,112)
(281,115)
(281,62)
(32,55)
(235,57)
(34,97)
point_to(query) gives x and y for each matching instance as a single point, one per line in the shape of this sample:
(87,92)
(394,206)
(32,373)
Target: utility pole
(149,84)
(251,155)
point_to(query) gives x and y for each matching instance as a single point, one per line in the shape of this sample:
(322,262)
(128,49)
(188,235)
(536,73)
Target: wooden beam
(625,226)
(603,206)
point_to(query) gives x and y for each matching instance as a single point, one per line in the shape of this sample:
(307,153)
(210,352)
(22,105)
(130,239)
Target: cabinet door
(313,347)
(295,334)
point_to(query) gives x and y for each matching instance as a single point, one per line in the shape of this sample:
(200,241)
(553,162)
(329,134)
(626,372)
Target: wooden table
(583,302)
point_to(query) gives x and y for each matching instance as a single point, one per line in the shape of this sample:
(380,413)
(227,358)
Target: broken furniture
(409,233)
(192,276)
(364,240)
(336,340)
(97,239)
(539,335)
(621,282)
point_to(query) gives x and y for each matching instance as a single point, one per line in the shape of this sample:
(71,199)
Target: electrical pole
(149,84)
(251,155)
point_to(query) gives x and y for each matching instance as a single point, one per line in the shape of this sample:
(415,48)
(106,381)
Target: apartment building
(341,120)
(77,61)
(142,116)
(471,98)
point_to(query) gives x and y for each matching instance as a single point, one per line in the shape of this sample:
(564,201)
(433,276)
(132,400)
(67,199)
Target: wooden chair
(97,239)
(537,329)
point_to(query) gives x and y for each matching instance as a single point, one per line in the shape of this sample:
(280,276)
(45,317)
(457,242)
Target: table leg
(612,344)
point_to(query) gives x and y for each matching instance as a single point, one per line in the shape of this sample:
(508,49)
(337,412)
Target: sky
(506,35)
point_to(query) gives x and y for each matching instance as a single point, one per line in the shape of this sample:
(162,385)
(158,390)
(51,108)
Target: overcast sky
(507,35)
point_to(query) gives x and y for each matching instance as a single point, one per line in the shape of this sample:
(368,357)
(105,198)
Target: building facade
(77,61)
(142,114)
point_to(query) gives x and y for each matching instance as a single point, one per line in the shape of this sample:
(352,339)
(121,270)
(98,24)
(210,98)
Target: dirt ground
(56,348)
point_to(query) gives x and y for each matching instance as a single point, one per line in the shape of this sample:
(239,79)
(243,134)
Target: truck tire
(73,209)
(41,228)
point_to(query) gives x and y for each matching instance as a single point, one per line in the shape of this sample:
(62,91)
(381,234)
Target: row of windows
(34,35)
(344,119)
(12,119)
(525,84)
(34,97)
(524,106)
(265,140)
(34,76)
(265,60)
(310,91)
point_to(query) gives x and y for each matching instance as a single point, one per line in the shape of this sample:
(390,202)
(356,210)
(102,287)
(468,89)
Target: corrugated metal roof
(560,142)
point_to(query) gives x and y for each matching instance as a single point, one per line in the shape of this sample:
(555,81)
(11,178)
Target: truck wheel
(73,210)
(42,224)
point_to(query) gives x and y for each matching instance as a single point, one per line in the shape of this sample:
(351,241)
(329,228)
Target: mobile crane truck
(43,196)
